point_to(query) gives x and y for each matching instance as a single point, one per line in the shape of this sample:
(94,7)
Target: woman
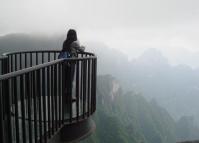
(71,46)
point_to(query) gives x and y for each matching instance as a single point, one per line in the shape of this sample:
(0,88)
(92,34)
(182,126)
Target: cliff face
(108,88)
(128,118)
(187,130)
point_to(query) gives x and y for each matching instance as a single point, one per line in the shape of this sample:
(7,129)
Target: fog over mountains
(174,88)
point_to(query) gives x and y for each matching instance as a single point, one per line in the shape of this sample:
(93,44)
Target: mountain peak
(151,57)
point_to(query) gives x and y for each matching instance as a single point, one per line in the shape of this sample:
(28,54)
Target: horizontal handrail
(33,51)
(3,57)
(41,51)
(25,59)
(40,66)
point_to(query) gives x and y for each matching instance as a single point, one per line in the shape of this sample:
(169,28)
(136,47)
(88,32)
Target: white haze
(129,25)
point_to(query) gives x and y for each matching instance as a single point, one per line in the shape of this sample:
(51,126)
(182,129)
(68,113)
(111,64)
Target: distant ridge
(189,142)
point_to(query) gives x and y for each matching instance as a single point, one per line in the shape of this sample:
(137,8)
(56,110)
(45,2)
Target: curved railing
(37,98)
(25,59)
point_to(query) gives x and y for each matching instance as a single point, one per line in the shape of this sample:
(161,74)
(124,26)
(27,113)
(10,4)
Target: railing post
(67,90)
(95,86)
(7,111)
(1,115)
(6,103)
(63,93)
(5,65)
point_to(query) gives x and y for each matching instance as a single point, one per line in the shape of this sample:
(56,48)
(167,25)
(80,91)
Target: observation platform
(41,101)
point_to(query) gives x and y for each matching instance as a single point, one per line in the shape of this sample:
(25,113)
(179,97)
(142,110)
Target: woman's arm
(76,46)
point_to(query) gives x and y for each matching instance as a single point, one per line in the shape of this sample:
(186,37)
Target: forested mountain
(128,118)
(186,129)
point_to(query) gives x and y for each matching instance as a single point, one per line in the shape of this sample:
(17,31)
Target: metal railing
(25,59)
(3,60)
(40,95)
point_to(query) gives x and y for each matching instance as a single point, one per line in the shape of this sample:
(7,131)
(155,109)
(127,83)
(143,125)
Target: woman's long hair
(71,37)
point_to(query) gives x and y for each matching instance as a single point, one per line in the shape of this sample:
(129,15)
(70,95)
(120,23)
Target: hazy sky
(129,25)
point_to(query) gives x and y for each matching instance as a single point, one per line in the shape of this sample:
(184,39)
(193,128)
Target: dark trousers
(68,75)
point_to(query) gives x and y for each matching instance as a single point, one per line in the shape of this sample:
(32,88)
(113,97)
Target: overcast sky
(129,25)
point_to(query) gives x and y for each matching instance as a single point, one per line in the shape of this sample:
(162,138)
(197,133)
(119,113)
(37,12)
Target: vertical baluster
(81,89)
(1,114)
(5,67)
(48,95)
(28,95)
(92,85)
(39,100)
(1,67)
(48,56)
(95,81)
(54,56)
(42,57)
(16,110)
(20,61)
(63,91)
(55,94)
(12,110)
(77,89)
(7,64)
(35,104)
(22,95)
(69,93)
(84,87)
(88,89)
(59,89)
(7,106)
(11,63)
(16,62)
(25,60)
(52,98)
(31,59)
(37,58)
(44,102)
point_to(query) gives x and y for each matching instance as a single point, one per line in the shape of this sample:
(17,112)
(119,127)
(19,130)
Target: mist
(128,25)
(149,49)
